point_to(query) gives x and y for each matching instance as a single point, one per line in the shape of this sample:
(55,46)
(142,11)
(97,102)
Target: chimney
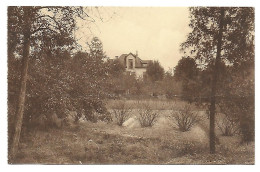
(116,57)
(136,53)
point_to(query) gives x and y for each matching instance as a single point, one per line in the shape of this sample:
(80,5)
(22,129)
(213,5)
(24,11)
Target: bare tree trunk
(212,139)
(22,94)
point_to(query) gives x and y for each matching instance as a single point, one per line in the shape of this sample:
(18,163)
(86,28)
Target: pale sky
(155,32)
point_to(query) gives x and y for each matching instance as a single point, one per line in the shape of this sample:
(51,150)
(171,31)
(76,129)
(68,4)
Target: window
(130,63)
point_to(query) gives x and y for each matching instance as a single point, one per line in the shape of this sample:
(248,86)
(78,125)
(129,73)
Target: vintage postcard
(131,85)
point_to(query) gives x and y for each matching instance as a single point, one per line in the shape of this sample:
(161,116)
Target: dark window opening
(131,64)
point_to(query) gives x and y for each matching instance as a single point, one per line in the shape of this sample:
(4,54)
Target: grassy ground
(160,144)
(156,104)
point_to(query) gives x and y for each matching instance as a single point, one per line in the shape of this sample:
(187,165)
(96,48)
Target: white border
(134,2)
(3,93)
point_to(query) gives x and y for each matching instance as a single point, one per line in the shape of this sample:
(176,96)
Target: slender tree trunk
(22,94)
(212,139)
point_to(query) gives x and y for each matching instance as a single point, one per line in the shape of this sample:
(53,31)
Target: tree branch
(42,28)
(53,19)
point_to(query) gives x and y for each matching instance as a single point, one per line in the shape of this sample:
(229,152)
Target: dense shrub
(71,89)
(240,111)
(95,110)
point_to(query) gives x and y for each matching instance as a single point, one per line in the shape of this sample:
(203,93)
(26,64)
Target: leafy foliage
(34,31)
(116,69)
(155,71)
(186,72)
(186,69)
(238,34)
(171,86)
(78,84)
(220,34)
(239,103)
(50,28)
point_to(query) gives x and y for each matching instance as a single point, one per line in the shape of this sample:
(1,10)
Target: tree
(186,72)
(186,69)
(116,68)
(205,78)
(32,31)
(170,85)
(239,99)
(78,84)
(222,34)
(154,71)
(92,74)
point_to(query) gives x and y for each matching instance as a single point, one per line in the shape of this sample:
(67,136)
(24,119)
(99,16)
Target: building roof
(146,61)
(138,62)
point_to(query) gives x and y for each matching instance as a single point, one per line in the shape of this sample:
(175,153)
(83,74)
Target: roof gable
(138,62)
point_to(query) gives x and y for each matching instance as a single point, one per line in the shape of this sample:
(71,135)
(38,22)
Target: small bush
(147,117)
(227,125)
(39,122)
(95,111)
(242,110)
(121,112)
(185,118)
(43,122)
(55,121)
(106,117)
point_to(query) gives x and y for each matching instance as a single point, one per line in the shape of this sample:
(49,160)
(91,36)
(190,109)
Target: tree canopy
(36,32)
(50,29)
(186,69)
(155,71)
(238,34)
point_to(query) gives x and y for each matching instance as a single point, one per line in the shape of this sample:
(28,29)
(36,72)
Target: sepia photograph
(128,85)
